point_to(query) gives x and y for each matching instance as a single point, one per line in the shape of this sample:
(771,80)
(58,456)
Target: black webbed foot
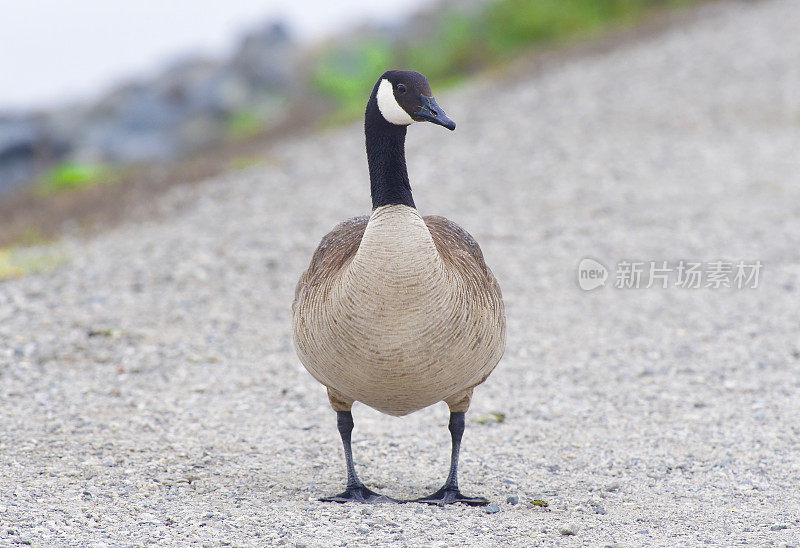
(355,491)
(359,493)
(451,495)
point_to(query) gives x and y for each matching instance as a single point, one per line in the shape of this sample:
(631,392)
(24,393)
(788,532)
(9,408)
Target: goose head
(404,97)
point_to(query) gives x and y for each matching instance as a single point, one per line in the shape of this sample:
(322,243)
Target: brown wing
(462,253)
(333,253)
(460,250)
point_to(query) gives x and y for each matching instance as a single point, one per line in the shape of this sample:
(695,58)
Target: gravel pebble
(155,369)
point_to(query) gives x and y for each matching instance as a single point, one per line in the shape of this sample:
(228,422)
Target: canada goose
(396,310)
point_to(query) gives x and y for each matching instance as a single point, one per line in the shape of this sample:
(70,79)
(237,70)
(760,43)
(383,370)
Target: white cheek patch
(389,107)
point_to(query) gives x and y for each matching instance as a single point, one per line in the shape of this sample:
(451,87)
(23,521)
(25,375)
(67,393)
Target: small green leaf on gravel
(16,261)
(567,532)
(102,332)
(495,416)
(539,502)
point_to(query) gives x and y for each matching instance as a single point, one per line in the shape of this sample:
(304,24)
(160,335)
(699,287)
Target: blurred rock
(25,146)
(185,108)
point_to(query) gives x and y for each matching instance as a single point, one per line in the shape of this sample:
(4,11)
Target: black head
(404,97)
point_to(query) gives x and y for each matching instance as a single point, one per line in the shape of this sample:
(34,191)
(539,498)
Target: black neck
(386,155)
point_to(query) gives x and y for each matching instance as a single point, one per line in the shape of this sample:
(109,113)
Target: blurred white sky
(57,50)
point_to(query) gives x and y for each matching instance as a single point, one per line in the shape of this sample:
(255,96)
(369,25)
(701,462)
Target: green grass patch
(346,75)
(515,24)
(246,162)
(17,261)
(243,125)
(31,237)
(70,176)
(464,42)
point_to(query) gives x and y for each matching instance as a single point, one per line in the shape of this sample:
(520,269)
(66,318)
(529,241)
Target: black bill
(431,112)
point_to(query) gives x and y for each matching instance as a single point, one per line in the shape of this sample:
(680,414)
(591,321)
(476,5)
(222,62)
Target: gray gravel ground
(150,392)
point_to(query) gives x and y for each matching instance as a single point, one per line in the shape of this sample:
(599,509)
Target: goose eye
(401,88)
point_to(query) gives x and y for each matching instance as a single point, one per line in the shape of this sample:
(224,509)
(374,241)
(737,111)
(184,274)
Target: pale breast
(401,325)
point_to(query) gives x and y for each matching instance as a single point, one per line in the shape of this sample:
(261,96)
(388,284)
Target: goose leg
(449,493)
(355,490)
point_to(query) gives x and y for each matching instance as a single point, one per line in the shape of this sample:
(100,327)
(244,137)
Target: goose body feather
(398,312)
